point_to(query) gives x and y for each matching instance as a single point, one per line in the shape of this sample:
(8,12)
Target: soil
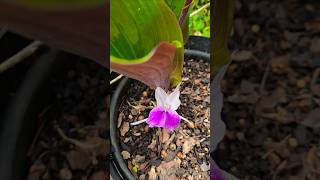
(71,138)
(152,152)
(272,92)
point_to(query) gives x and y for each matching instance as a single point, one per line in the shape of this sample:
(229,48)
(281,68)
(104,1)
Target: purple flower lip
(160,117)
(164,115)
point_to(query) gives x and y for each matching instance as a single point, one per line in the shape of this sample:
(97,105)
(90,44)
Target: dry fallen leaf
(188,145)
(100,175)
(165,135)
(78,159)
(125,154)
(65,174)
(121,115)
(243,55)
(280,65)
(312,119)
(204,167)
(152,174)
(153,144)
(167,170)
(124,128)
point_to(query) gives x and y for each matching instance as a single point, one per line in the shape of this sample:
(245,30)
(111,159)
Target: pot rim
(116,158)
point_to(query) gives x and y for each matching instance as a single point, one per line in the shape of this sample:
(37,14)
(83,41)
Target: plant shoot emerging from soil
(164,114)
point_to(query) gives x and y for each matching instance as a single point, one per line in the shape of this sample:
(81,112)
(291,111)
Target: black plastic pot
(19,125)
(21,120)
(119,166)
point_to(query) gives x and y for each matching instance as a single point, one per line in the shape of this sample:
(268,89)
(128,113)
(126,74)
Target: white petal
(161,97)
(173,99)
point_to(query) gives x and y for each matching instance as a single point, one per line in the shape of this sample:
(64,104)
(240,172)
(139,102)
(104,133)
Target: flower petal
(173,99)
(172,120)
(161,96)
(157,117)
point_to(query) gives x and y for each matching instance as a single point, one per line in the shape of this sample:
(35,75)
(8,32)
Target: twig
(264,80)
(200,9)
(186,120)
(21,55)
(138,107)
(283,141)
(83,146)
(116,79)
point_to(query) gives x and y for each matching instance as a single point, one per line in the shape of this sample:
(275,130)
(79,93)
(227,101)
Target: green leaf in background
(176,6)
(137,28)
(199,20)
(221,25)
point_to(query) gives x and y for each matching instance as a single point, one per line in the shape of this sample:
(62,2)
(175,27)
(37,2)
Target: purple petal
(173,120)
(158,117)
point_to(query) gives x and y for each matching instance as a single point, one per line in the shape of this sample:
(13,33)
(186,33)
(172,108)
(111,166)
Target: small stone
(140,159)
(141,117)
(255,28)
(65,174)
(130,116)
(180,155)
(204,167)
(145,93)
(125,154)
(301,83)
(164,153)
(242,122)
(197,82)
(293,142)
(173,147)
(142,177)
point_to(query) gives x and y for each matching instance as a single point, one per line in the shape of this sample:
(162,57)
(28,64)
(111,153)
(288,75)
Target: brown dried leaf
(165,135)
(280,65)
(124,128)
(125,154)
(153,144)
(121,115)
(100,175)
(65,174)
(243,55)
(188,145)
(312,119)
(152,174)
(79,159)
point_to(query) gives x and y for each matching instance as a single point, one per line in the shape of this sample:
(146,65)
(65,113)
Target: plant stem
(200,9)
(185,119)
(116,79)
(21,55)
(184,11)
(138,122)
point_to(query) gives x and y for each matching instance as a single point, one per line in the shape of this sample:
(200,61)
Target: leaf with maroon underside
(146,42)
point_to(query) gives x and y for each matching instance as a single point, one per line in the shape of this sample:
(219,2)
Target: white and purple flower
(164,114)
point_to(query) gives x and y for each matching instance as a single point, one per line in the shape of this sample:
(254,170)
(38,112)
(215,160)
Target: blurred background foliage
(199,23)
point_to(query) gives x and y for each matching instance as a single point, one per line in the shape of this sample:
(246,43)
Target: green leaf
(221,25)
(176,6)
(137,28)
